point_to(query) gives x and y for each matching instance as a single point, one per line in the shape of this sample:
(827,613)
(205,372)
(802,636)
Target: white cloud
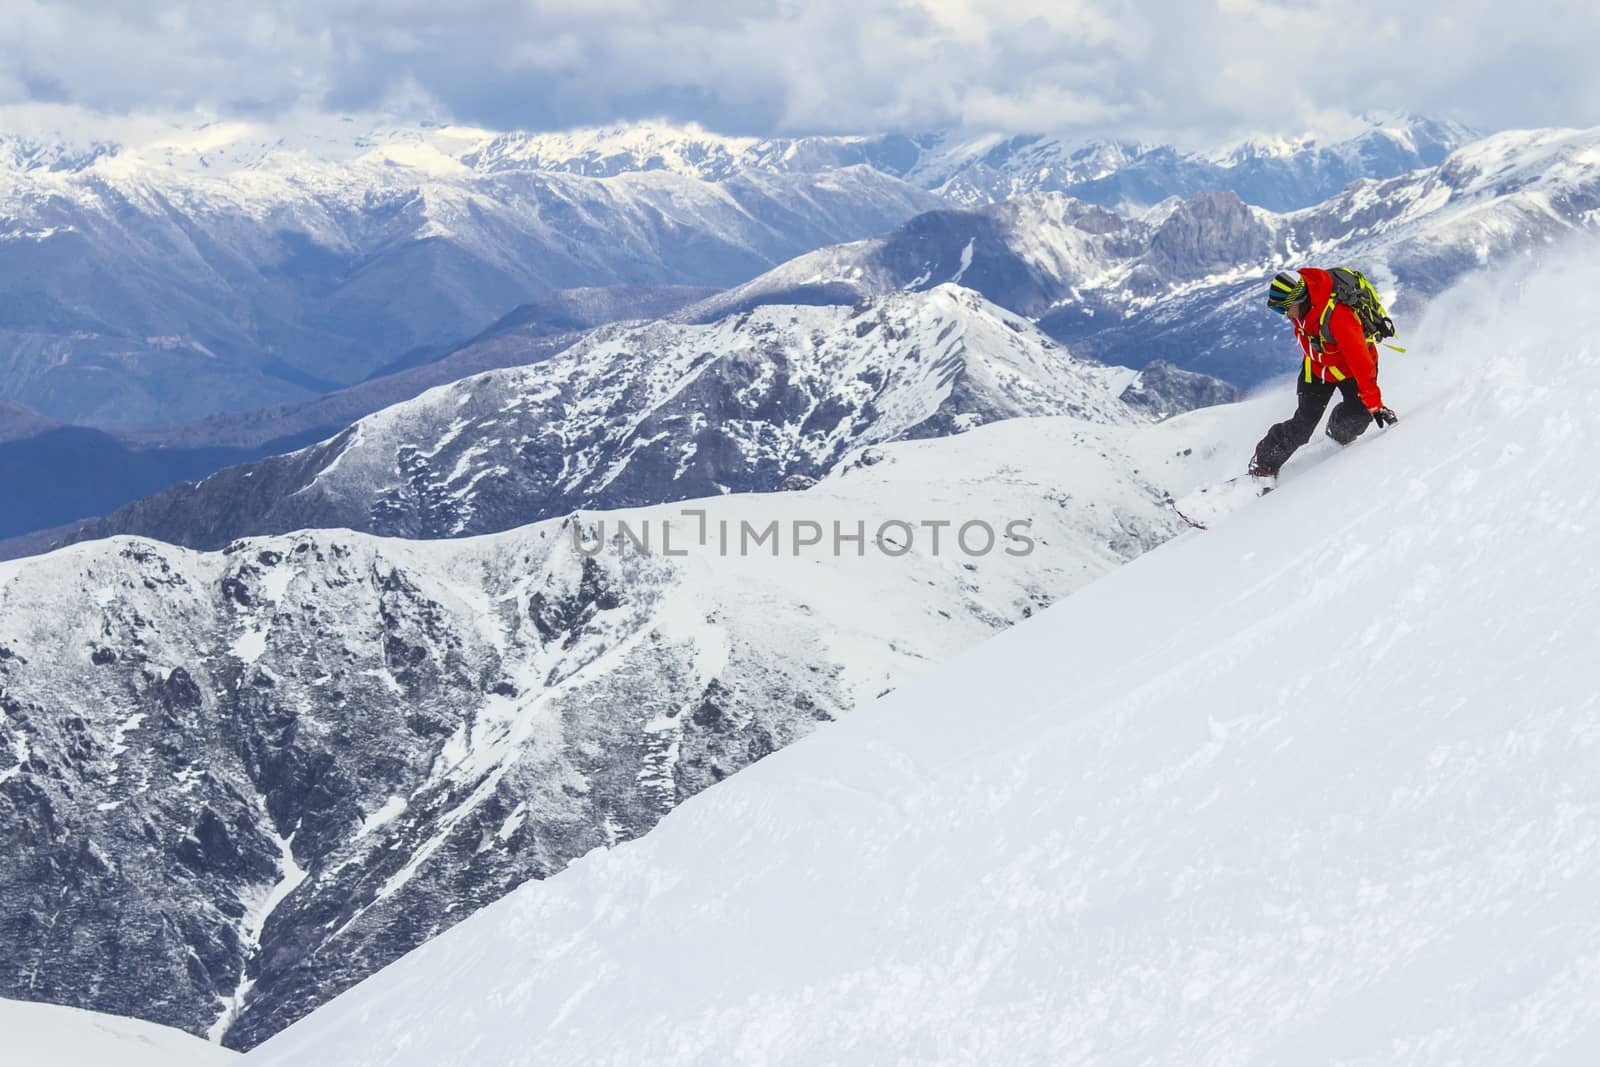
(1169,69)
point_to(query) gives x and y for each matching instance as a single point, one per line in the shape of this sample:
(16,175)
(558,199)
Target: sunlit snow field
(48,1035)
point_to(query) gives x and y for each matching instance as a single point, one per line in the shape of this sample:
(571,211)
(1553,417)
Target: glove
(1384,417)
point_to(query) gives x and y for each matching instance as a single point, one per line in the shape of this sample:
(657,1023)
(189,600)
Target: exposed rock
(1164,390)
(1210,232)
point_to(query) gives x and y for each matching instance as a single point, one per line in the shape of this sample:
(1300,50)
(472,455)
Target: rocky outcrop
(1164,390)
(1206,233)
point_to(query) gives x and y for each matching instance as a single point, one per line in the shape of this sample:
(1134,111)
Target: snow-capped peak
(622,148)
(1423,137)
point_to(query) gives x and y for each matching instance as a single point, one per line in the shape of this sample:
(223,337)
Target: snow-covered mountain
(1179,282)
(251,778)
(47,1035)
(1314,786)
(1080,267)
(637,415)
(174,280)
(1183,281)
(1033,255)
(970,169)
(19,154)
(193,269)
(1279,174)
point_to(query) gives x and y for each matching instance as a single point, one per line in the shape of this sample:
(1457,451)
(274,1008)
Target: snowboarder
(1338,357)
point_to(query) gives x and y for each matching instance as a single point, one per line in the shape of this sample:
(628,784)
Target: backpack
(1351,288)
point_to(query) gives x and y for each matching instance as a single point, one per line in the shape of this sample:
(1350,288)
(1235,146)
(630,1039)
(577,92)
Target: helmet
(1285,291)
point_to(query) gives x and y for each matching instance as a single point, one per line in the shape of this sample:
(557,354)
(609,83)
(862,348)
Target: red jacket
(1335,346)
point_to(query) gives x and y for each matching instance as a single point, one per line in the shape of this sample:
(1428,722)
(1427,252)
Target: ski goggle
(1281,300)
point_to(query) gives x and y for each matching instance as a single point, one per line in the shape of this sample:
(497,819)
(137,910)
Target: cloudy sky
(1186,70)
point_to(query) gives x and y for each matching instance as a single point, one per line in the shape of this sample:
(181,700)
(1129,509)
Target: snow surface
(258,909)
(1314,786)
(47,1035)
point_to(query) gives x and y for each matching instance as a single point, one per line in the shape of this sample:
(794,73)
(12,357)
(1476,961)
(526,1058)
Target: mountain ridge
(134,297)
(59,476)
(959,164)
(227,265)
(635,415)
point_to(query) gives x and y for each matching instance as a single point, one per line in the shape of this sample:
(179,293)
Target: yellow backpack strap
(1325,331)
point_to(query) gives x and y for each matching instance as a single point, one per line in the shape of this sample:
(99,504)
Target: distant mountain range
(634,415)
(963,168)
(135,295)
(231,266)
(1178,284)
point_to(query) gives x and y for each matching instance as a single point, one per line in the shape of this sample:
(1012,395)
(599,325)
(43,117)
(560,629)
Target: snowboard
(1205,506)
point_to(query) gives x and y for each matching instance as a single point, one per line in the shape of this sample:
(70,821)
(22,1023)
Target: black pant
(1349,420)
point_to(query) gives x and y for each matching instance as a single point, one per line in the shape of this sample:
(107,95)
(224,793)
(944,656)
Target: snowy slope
(45,1035)
(1315,786)
(638,414)
(258,775)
